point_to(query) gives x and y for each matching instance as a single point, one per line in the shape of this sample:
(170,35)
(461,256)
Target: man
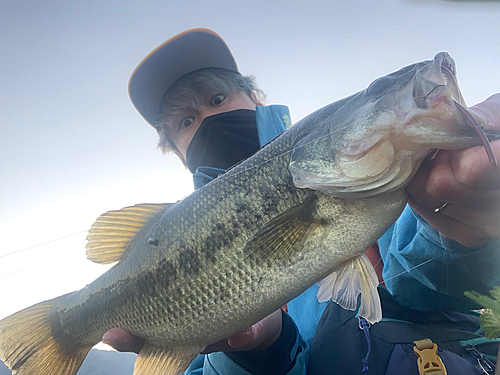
(211,117)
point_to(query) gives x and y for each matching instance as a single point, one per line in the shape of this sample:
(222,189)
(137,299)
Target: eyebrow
(179,111)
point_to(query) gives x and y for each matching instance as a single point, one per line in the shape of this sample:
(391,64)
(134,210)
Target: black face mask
(223,140)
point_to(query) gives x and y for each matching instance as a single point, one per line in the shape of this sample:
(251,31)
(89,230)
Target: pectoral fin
(343,286)
(284,235)
(153,360)
(115,232)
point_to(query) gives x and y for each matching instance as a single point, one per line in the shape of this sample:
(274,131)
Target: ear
(256,100)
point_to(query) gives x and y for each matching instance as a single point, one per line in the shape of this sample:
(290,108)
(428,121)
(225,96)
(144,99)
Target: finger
(239,340)
(261,335)
(450,227)
(257,337)
(473,168)
(483,222)
(487,113)
(436,182)
(437,192)
(123,341)
(244,340)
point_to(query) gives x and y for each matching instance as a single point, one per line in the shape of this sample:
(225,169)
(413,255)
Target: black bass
(302,209)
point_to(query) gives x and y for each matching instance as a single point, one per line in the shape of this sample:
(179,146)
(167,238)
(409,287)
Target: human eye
(187,122)
(217,100)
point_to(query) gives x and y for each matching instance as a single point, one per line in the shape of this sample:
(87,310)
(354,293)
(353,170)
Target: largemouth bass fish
(302,209)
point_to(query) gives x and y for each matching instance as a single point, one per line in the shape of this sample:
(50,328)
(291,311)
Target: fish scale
(193,264)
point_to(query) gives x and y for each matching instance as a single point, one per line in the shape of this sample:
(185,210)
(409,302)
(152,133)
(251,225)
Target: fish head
(373,142)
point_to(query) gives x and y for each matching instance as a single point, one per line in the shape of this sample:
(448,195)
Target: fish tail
(27,344)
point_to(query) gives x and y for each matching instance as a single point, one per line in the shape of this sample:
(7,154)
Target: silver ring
(441,208)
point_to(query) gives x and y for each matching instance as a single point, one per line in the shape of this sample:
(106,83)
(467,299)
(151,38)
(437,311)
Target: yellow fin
(153,360)
(351,278)
(27,346)
(115,232)
(284,236)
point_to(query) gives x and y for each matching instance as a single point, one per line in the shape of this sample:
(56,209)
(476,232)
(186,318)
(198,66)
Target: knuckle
(439,187)
(467,173)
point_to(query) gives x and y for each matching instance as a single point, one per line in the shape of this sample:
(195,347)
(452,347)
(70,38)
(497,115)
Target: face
(189,120)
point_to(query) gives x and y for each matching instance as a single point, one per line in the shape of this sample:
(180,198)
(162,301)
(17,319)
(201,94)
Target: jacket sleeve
(285,356)
(435,269)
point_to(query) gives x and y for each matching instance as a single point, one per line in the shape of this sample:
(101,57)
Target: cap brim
(184,53)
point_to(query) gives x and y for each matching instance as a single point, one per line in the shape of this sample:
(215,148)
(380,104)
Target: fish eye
(379,85)
(187,122)
(217,100)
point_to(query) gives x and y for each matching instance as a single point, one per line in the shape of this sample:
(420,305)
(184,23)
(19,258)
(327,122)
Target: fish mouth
(436,95)
(385,138)
(440,73)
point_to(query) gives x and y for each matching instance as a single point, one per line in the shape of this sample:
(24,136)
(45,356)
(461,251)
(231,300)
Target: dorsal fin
(116,231)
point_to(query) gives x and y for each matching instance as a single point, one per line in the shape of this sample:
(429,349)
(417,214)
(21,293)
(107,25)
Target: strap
(428,361)
(365,326)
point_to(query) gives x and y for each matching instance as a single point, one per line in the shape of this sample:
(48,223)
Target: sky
(72,146)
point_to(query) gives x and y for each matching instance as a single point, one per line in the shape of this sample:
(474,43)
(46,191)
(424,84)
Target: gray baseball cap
(184,53)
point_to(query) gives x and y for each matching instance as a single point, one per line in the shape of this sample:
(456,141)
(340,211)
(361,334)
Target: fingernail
(109,338)
(241,339)
(247,331)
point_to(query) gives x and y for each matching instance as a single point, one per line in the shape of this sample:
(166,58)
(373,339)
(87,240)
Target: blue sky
(72,146)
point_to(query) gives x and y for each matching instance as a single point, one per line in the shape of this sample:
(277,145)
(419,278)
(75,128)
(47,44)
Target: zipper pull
(484,363)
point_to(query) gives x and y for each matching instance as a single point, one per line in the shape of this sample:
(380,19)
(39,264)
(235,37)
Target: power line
(44,243)
(43,260)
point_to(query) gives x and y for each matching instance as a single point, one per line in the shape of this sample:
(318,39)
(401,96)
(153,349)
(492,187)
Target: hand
(467,181)
(257,337)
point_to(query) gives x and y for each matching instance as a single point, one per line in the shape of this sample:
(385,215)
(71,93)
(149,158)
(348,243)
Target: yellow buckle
(428,361)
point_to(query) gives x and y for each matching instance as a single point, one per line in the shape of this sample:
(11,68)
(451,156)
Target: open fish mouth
(379,136)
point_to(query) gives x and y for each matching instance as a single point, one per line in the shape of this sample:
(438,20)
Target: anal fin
(154,360)
(351,278)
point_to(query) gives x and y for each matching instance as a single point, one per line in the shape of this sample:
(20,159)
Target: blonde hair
(185,93)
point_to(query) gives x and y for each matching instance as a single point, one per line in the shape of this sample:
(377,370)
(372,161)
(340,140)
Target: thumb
(259,336)
(243,339)
(487,113)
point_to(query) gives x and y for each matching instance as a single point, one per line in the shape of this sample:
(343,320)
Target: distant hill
(4,370)
(99,362)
